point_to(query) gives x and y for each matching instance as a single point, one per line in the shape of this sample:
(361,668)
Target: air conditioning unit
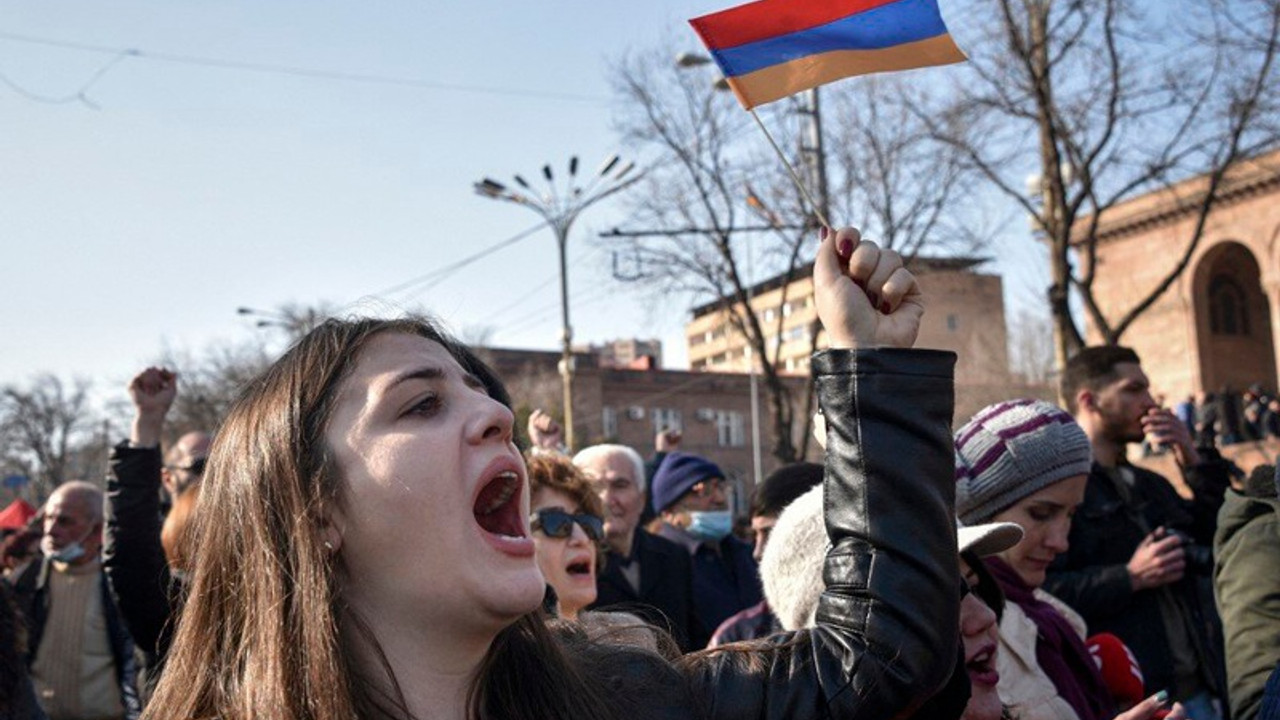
(705,414)
(635,412)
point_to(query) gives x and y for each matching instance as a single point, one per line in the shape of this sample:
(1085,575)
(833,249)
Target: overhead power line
(273,69)
(435,277)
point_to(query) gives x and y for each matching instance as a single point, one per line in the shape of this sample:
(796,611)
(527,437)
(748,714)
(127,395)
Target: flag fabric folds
(770,49)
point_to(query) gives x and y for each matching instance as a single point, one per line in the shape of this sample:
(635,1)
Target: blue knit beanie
(677,474)
(1011,450)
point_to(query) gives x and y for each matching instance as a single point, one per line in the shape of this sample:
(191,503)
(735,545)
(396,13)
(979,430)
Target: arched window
(1227,312)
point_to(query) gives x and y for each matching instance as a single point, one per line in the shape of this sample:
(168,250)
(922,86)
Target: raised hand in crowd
(667,440)
(865,297)
(152,391)
(545,433)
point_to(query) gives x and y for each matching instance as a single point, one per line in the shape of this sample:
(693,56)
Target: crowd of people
(1227,417)
(367,536)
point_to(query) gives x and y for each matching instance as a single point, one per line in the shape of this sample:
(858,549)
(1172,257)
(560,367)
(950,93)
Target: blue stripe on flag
(888,25)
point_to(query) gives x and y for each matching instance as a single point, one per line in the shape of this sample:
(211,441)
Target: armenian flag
(770,49)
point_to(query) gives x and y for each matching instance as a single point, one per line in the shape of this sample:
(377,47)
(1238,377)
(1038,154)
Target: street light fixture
(295,324)
(265,318)
(560,207)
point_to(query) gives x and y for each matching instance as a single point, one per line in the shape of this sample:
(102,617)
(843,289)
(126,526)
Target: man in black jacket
(642,573)
(1138,564)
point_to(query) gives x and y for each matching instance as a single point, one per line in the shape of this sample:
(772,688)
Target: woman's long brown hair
(264,630)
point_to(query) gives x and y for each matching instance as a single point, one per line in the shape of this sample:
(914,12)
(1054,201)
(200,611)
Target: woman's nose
(975,617)
(492,420)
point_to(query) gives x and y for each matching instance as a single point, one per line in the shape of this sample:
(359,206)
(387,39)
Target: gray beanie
(1013,449)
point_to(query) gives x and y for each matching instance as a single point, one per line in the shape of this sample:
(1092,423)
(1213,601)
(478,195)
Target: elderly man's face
(614,478)
(68,519)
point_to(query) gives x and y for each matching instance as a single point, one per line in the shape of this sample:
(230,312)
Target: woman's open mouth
(982,667)
(497,512)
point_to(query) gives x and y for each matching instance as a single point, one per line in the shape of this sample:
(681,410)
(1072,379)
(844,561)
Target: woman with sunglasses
(567,529)
(362,547)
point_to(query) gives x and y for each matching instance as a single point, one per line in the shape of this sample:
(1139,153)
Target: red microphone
(1120,670)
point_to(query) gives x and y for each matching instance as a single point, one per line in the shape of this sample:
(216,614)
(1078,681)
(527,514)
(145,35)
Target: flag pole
(795,178)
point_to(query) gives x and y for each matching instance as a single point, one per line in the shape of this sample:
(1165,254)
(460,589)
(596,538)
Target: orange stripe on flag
(778,81)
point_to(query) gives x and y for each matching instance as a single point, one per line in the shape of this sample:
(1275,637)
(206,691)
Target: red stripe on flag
(769,18)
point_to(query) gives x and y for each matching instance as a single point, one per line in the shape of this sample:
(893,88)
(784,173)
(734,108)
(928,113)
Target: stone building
(965,314)
(1215,326)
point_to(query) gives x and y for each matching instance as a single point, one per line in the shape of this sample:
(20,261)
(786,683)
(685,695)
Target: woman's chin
(515,595)
(576,600)
(984,704)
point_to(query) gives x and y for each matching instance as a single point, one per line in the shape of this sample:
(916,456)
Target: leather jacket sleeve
(888,622)
(133,559)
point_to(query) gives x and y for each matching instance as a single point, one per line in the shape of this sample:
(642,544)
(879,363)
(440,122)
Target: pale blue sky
(192,190)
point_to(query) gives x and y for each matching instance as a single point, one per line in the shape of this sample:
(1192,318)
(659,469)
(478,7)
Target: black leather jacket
(888,622)
(145,592)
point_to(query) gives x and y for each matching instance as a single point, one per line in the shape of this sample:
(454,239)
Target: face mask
(68,554)
(710,525)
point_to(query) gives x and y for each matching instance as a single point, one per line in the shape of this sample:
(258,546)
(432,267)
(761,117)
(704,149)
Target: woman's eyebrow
(422,373)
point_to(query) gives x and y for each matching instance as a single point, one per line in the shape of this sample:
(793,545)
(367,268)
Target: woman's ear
(331,531)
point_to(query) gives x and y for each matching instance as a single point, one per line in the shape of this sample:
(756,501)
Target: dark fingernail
(884,307)
(846,248)
(823,232)
(1162,697)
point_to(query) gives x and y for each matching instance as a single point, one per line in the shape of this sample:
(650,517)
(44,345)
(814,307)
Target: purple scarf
(1059,650)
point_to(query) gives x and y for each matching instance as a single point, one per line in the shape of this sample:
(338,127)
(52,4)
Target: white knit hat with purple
(1013,449)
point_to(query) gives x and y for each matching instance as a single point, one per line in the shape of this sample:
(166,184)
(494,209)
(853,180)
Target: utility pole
(813,150)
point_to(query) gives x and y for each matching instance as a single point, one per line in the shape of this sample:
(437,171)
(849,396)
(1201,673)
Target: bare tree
(1031,348)
(695,203)
(43,424)
(714,182)
(1102,100)
(907,191)
(209,382)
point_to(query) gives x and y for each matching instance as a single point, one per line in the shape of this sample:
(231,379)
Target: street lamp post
(560,207)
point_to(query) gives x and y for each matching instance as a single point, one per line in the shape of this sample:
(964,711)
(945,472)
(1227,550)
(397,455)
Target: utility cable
(274,69)
(80,95)
(515,303)
(435,277)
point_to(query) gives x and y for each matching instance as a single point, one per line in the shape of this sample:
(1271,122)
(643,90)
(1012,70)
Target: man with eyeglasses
(141,486)
(689,495)
(642,573)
